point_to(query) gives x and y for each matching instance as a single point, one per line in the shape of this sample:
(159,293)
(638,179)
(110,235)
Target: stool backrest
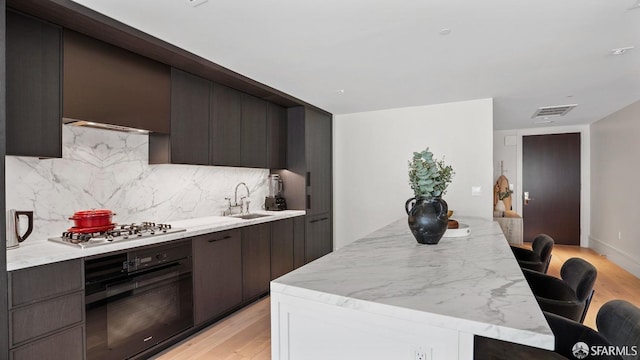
(580,275)
(619,322)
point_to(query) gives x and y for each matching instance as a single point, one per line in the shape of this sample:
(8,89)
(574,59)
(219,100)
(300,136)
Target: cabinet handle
(308,178)
(224,238)
(316,220)
(308,202)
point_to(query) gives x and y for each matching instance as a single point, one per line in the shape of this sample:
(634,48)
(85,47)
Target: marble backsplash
(109,170)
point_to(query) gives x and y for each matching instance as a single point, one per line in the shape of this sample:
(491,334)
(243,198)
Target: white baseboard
(616,256)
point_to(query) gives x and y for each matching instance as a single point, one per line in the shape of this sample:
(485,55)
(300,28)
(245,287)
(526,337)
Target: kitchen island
(387,297)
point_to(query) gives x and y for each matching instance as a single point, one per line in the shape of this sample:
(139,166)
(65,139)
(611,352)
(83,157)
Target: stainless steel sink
(250,216)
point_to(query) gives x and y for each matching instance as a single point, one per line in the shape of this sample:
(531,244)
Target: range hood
(95,125)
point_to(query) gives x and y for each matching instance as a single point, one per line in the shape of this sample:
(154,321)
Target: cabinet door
(217,274)
(34,124)
(67,345)
(281,247)
(30,285)
(318,237)
(276,136)
(318,155)
(189,119)
(44,317)
(298,241)
(256,260)
(108,84)
(253,139)
(225,128)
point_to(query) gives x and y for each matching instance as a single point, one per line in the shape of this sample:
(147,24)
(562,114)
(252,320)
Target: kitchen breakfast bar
(387,297)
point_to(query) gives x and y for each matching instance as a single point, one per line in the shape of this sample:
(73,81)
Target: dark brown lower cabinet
(318,240)
(46,312)
(281,247)
(67,345)
(217,274)
(256,260)
(298,241)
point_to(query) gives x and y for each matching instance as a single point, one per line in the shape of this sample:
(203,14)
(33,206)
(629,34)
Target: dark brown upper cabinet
(253,139)
(33,88)
(276,136)
(309,157)
(189,119)
(225,126)
(217,125)
(107,84)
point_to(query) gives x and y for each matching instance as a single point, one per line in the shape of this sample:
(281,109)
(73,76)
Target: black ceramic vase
(427,219)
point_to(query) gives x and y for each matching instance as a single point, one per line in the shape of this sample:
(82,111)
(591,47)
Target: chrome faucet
(242,198)
(243,206)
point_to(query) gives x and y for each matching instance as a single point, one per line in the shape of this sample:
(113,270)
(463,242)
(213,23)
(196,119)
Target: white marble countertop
(39,252)
(471,284)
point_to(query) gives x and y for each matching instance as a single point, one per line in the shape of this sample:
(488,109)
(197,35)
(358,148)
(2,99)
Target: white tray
(462,230)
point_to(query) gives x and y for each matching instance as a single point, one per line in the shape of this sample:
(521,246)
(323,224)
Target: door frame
(585,171)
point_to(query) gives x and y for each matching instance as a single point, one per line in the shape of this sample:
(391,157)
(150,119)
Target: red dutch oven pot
(92,218)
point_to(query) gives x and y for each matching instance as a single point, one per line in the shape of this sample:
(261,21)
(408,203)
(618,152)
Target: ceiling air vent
(549,111)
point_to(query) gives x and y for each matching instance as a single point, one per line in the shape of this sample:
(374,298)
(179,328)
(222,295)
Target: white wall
(513,161)
(614,196)
(371,154)
(505,153)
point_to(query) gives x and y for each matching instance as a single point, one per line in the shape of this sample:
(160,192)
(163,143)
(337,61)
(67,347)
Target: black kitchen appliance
(136,300)
(275,200)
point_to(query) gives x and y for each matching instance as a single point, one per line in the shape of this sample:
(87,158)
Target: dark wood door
(217,274)
(225,129)
(276,136)
(551,179)
(34,70)
(189,118)
(281,247)
(256,260)
(318,240)
(253,139)
(318,154)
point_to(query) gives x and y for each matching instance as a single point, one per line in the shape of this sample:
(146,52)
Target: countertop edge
(519,336)
(36,253)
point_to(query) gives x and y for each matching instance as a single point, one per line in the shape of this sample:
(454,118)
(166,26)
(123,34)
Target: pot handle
(406,205)
(29,215)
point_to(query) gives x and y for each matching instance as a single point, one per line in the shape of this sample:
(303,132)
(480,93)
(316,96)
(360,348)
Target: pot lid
(85,214)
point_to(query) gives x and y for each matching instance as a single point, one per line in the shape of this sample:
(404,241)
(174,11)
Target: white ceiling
(389,54)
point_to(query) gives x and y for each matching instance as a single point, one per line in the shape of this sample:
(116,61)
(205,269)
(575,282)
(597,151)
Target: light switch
(510,140)
(476,190)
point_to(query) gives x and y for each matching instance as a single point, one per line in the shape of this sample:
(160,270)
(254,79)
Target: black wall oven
(136,300)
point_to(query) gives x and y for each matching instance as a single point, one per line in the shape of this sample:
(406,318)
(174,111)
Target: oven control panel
(148,258)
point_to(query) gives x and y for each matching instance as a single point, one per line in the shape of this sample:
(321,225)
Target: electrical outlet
(421,354)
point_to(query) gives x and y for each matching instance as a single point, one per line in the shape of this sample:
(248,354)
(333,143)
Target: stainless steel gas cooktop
(89,237)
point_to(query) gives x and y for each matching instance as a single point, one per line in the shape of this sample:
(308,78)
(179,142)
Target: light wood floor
(246,334)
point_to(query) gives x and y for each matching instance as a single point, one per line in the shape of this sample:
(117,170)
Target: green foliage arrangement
(429,177)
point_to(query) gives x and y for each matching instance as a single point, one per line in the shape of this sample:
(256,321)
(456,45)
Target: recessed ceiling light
(445,31)
(340,92)
(620,51)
